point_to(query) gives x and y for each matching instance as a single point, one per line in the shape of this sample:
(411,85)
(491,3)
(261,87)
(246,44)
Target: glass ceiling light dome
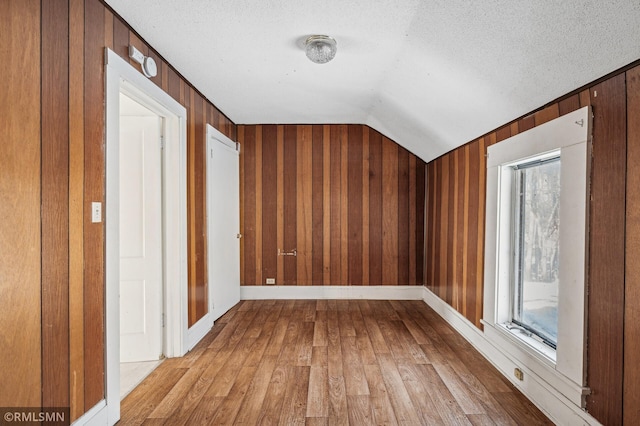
(320,48)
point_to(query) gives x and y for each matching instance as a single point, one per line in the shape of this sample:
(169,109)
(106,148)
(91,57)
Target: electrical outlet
(519,374)
(96,212)
(271,280)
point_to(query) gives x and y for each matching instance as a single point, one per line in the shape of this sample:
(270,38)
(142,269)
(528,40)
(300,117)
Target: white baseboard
(198,330)
(383,292)
(96,416)
(555,405)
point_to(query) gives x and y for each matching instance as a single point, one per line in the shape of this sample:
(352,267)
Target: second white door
(141,276)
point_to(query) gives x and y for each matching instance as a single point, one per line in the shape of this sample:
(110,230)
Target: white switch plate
(96,212)
(271,280)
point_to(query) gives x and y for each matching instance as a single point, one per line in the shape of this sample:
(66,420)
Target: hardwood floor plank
(294,406)
(172,400)
(338,414)
(355,381)
(318,395)
(445,403)
(320,333)
(229,408)
(360,410)
(333,362)
(250,409)
(320,356)
(420,395)
(403,407)
(380,404)
(272,405)
(466,399)
(143,400)
(375,336)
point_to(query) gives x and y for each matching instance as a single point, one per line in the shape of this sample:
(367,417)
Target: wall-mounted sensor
(148,64)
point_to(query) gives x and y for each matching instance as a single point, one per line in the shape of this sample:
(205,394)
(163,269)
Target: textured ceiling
(431,74)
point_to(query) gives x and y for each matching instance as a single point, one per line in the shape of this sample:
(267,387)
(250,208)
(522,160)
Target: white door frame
(122,77)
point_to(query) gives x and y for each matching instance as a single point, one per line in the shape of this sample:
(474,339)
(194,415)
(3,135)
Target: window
(536,250)
(536,247)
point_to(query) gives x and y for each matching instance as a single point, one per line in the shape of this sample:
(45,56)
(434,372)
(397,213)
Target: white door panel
(140,239)
(223,222)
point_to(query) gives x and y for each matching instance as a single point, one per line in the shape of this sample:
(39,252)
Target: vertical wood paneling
(451,223)
(465,230)
(94,184)
(56,116)
(241,160)
(455,230)
(317,208)
(365,206)
(290,203)
(613,291)
(120,39)
(444,229)
(200,189)
(403,217)
(336,199)
(304,205)
(280,203)
(569,104)
(431,223)
(354,193)
(258,171)
(420,220)
(472,232)
(607,251)
(631,407)
(332,187)
(344,203)
(55,203)
(248,153)
(20,342)
(192,239)
(269,202)
(375,209)
(389,211)
(413,270)
(326,204)
(76,204)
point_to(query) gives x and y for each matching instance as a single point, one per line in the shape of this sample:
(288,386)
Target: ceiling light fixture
(320,48)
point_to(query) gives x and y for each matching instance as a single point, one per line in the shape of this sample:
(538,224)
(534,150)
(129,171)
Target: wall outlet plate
(271,280)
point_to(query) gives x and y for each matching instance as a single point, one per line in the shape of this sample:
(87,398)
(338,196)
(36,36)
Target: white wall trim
(374,292)
(198,330)
(121,76)
(96,416)
(550,401)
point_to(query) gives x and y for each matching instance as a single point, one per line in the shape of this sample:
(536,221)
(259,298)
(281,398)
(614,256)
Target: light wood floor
(329,362)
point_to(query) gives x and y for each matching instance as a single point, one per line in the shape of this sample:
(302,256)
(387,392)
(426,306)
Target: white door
(223,222)
(140,238)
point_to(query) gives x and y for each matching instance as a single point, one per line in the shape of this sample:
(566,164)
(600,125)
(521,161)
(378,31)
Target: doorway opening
(149,302)
(141,243)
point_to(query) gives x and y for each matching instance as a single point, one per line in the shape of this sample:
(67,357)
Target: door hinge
(163,320)
(161,142)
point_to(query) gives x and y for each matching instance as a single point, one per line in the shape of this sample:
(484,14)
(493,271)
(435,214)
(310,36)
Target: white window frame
(565,367)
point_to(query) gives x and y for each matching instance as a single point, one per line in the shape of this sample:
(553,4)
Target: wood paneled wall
(455,240)
(348,200)
(51,169)
(20,241)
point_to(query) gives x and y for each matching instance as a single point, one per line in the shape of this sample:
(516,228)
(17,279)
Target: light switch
(96,212)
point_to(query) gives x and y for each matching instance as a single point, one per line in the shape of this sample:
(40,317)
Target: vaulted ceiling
(431,74)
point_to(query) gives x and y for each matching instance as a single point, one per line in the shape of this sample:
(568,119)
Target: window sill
(547,353)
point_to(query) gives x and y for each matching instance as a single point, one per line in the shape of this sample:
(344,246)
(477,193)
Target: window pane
(537,248)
